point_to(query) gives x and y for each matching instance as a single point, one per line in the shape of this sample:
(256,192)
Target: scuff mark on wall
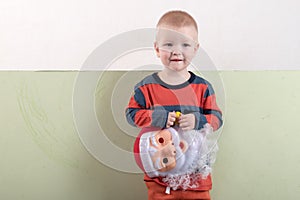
(44,132)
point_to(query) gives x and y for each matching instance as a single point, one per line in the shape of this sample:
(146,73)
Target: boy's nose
(176,51)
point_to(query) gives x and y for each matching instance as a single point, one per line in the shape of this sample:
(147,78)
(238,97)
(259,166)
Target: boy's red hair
(177,18)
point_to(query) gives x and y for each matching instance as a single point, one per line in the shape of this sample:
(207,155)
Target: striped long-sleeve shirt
(153,99)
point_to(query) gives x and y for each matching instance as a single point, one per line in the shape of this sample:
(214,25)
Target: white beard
(196,163)
(191,165)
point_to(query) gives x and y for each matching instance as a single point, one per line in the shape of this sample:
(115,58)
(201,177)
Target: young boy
(159,97)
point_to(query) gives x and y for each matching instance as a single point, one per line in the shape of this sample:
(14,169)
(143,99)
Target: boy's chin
(177,68)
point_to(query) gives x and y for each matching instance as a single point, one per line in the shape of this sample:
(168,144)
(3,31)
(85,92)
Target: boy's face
(176,46)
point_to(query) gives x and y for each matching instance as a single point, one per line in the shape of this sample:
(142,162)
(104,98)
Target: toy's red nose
(161,140)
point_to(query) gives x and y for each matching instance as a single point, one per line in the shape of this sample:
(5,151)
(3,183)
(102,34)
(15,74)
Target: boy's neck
(174,77)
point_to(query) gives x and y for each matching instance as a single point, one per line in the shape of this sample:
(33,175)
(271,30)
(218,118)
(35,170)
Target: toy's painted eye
(165,160)
(161,140)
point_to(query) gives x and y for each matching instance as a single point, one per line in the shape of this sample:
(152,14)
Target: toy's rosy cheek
(181,145)
(161,140)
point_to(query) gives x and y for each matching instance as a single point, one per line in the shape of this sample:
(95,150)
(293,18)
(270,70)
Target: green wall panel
(42,156)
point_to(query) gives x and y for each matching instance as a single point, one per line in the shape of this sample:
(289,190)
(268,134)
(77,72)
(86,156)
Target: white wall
(236,34)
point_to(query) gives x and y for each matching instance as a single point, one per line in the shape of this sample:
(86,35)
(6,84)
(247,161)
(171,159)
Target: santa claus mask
(172,152)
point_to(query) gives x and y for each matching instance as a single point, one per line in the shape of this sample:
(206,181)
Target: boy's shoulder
(198,79)
(150,79)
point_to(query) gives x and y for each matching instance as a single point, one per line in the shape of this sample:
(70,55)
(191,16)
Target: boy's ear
(156,49)
(197,47)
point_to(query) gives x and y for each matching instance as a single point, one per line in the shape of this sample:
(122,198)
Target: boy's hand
(171,119)
(187,122)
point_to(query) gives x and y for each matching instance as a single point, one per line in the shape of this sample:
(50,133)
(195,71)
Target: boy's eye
(186,45)
(168,44)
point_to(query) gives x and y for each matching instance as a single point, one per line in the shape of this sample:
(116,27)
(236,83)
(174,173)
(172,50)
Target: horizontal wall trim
(275,68)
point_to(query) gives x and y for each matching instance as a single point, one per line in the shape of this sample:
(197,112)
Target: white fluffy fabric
(196,163)
(193,164)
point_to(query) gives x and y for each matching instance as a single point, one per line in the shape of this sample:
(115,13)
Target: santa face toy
(172,152)
(163,148)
